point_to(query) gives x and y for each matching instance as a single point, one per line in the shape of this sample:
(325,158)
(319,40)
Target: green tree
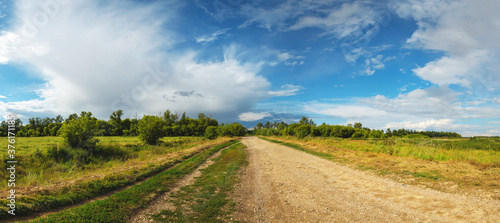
(150,129)
(358,125)
(302,131)
(211,132)
(80,132)
(115,119)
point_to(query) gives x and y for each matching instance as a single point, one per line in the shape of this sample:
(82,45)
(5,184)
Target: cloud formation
(286,90)
(103,56)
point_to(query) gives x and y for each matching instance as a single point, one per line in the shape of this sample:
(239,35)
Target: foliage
(306,127)
(150,129)
(80,132)
(211,132)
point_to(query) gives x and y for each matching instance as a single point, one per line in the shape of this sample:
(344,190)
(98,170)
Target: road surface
(282,184)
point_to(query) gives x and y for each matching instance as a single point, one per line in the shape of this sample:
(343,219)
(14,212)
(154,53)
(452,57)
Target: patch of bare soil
(281,184)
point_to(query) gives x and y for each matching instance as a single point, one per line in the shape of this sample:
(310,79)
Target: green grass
(207,199)
(121,206)
(60,176)
(485,151)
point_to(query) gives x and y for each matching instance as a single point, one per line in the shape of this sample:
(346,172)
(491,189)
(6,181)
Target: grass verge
(113,175)
(120,206)
(207,199)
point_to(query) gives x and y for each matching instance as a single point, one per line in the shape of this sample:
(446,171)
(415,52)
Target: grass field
(467,166)
(120,206)
(51,175)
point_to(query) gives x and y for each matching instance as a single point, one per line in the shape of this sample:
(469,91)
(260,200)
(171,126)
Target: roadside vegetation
(120,206)
(81,164)
(207,199)
(459,165)
(170,124)
(54,176)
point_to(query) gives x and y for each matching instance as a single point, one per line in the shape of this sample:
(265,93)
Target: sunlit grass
(69,175)
(425,149)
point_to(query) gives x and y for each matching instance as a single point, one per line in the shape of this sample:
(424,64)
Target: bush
(211,132)
(150,129)
(80,132)
(302,131)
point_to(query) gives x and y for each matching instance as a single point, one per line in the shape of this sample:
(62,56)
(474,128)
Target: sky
(414,64)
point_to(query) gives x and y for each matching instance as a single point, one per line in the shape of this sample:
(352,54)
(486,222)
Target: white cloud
(286,90)
(101,57)
(13,46)
(466,31)
(210,38)
(289,59)
(347,21)
(284,56)
(422,125)
(374,63)
(435,108)
(1,96)
(345,111)
(456,70)
(253,116)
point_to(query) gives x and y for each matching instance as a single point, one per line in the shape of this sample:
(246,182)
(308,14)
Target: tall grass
(120,206)
(53,176)
(477,151)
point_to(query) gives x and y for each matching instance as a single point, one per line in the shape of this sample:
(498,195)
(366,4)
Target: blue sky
(419,64)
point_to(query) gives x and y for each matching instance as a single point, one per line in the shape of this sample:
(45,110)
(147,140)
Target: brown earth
(281,184)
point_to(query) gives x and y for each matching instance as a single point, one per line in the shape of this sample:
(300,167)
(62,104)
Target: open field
(52,176)
(464,166)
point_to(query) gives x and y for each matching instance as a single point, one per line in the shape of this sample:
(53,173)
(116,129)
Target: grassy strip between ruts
(120,207)
(74,194)
(207,199)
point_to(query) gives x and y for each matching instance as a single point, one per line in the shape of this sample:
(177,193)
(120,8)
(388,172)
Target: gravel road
(282,184)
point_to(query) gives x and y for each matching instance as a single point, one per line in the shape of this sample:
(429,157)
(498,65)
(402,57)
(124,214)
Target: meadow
(458,165)
(51,175)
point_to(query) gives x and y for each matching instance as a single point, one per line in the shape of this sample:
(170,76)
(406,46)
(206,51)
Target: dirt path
(162,202)
(285,185)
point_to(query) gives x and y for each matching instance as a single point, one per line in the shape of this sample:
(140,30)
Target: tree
(259,125)
(211,132)
(302,131)
(150,129)
(358,125)
(80,132)
(115,119)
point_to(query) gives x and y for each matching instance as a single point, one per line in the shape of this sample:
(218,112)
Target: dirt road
(281,184)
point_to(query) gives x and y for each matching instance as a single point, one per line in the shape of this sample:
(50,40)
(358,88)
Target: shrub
(302,131)
(80,132)
(211,132)
(150,129)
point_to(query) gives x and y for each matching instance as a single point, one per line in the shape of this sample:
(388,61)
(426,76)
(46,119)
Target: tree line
(306,127)
(171,124)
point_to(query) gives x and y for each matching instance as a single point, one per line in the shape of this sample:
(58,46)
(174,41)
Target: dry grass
(471,172)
